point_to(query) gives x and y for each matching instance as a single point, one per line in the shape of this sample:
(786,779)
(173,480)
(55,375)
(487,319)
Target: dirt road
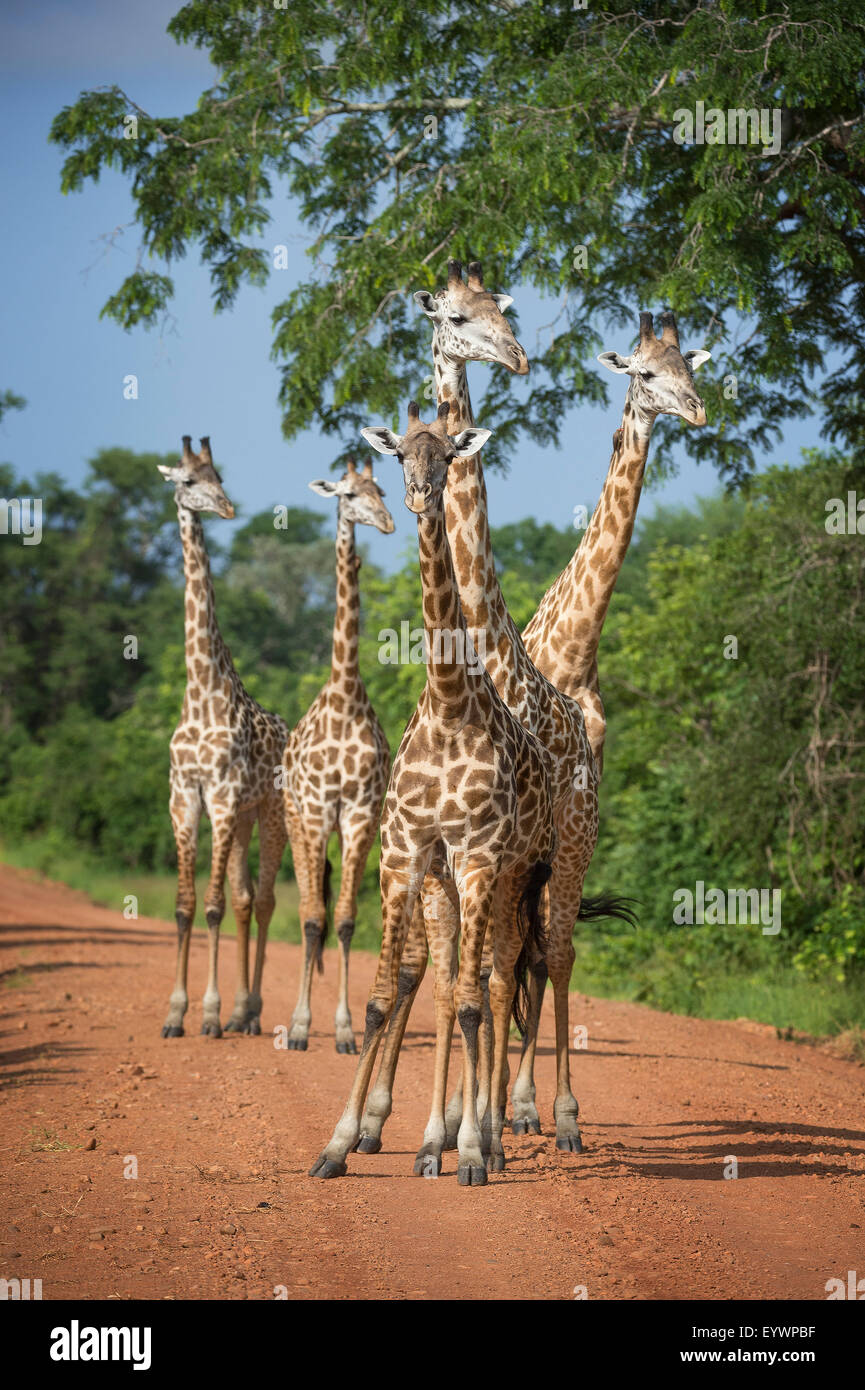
(223,1131)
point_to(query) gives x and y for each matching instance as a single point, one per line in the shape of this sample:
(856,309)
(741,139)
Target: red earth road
(223,1132)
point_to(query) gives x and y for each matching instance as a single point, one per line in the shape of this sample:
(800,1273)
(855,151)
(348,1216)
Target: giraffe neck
(468,527)
(345,669)
(207,657)
(571,615)
(448,678)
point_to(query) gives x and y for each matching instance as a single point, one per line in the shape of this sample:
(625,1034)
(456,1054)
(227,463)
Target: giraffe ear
(504,301)
(176,474)
(467,442)
(427,302)
(323,487)
(616,362)
(695,357)
(383,439)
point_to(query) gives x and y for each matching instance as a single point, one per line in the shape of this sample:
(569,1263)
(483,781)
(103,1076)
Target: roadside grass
(712,978)
(153,893)
(664,970)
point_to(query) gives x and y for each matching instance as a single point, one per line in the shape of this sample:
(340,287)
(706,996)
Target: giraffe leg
(223,819)
(502,987)
(412,970)
(356,840)
(242,896)
(271,838)
(398,896)
(442,927)
(185,809)
(309,848)
(441,916)
(476,886)
(485,1041)
(453,1115)
(560,962)
(524,1109)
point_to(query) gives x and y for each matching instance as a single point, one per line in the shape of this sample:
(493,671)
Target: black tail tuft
(534,936)
(328,906)
(609,905)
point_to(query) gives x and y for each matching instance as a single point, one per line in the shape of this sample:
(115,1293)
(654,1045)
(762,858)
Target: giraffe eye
(457,318)
(350,494)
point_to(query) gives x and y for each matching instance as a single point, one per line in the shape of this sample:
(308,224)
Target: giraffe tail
(327,893)
(609,905)
(534,938)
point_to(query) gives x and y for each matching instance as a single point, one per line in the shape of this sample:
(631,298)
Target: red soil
(224,1130)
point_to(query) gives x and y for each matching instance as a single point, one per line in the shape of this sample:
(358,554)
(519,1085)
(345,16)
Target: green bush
(835,946)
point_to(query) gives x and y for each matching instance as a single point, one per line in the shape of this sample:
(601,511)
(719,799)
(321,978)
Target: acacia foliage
(515,131)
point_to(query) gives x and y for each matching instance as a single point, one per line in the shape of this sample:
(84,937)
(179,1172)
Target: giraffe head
(198,485)
(360,497)
(426,452)
(469,322)
(662,377)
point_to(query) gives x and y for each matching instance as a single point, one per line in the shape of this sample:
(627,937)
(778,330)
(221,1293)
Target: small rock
(91,1144)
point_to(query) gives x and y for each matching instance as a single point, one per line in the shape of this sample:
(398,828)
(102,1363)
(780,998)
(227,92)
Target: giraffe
(336,763)
(225,757)
(470,799)
(469,325)
(562,637)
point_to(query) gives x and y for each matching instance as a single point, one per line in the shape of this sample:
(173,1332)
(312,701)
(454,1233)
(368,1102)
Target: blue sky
(212,373)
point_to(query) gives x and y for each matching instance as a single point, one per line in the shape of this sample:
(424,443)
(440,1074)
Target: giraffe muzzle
(418,499)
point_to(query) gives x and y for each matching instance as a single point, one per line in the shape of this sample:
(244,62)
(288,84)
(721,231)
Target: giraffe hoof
(471,1175)
(297,1044)
(325,1167)
(172,1030)
(368,1144)
(428,1163)
(211,1030)
(234,1025)
(495,1163)
(526,1127)
(569,1143)
(347,1046)
(252,1027)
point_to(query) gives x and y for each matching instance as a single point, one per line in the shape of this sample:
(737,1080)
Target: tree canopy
(517,132)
